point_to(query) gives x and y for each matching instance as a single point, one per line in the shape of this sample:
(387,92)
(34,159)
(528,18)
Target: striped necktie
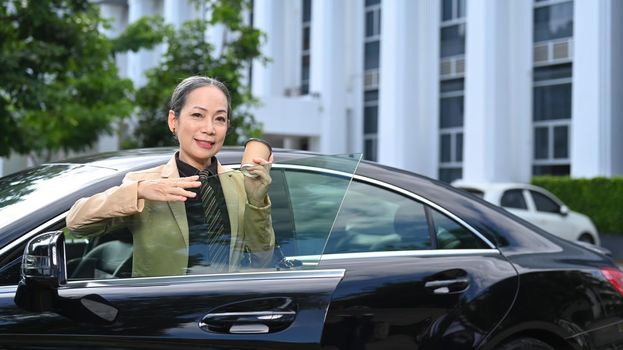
(215,226)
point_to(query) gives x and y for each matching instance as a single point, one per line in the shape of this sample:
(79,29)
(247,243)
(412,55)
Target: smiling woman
(213,206)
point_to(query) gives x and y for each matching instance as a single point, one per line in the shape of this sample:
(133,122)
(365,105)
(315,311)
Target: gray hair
(178,98)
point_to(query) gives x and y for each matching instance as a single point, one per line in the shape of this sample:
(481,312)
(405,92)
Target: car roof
(126,160)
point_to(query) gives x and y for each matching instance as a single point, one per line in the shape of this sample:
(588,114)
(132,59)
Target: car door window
(377,219)
(513,199)
(305,197)
(544,203)
(452,235)
(101,257)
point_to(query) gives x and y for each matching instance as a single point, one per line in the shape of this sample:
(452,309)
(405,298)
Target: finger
(260,161)
(173,198)
(187,184)
(190,178)
(261,174)
(188,194)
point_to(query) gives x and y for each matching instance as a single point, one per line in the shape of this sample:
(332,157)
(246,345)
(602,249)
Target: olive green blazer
(160,229)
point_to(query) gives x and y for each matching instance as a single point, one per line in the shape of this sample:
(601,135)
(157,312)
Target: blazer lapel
(177,208)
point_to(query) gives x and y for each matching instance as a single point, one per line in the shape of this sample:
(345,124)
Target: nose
(207,127)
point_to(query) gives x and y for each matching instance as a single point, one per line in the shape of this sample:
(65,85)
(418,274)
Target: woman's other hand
(256,185)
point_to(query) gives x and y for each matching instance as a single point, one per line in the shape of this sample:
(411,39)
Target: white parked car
(538,206)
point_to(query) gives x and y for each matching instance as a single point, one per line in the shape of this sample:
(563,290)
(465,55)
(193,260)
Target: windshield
(27,191)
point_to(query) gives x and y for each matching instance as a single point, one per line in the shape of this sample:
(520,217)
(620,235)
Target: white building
(487,90)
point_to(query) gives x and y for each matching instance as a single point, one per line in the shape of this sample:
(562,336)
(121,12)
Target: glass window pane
(370,149)
(369,23)
(460,8)
(305,68)
(306,10)
(552,102)
(372,2)
(453,40)
(459,147)
(375,219)
(541,143)
(452,85)
(450,174)
(372,53)
(371,96)
(513,199)
(306,36)
(553,22)
(451,112)
(370,119)
(558,71)
(305,203)
(451,235)
(378,22)
(561,141)
(544,203)
(446,10)
(445,148)
(556,170)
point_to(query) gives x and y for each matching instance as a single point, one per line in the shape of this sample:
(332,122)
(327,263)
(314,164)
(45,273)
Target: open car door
(101,299)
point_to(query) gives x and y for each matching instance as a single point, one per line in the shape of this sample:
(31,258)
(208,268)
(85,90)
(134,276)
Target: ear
(171,120)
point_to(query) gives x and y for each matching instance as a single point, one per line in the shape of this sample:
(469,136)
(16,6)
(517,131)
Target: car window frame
(426,202)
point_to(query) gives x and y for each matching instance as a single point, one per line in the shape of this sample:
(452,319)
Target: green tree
(188,53)
(59,85)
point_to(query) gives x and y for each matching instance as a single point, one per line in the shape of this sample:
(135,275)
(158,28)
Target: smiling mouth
(204,144)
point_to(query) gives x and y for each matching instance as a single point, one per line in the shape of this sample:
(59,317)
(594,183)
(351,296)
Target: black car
(367,257)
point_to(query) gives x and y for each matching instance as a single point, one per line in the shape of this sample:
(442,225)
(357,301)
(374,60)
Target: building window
(451,129)
(371,64)
(370,123)
(453,40)
(553,21)
(451,94)
(552,87)
(305,58)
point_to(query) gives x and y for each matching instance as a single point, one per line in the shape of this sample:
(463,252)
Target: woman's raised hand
(174,189)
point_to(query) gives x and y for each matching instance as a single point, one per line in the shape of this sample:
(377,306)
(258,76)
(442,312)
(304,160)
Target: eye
(221,119)
(197,115)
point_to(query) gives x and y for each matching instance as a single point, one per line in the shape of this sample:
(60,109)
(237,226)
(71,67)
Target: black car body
(369,257)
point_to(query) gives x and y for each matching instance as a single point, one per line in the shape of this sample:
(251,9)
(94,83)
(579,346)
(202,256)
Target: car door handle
(247,322)
(449,286)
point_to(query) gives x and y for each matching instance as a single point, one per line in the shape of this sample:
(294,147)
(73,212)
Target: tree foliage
(59,86)
(189,53)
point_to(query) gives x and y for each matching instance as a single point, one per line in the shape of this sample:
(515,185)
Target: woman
(183,217)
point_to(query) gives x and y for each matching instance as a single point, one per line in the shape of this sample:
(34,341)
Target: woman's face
(201,126)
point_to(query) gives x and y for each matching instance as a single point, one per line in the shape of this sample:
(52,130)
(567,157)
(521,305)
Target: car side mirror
(44,272)
(43,261)
(564,210)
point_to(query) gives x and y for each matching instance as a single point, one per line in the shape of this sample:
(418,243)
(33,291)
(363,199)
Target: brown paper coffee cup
(254,148)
